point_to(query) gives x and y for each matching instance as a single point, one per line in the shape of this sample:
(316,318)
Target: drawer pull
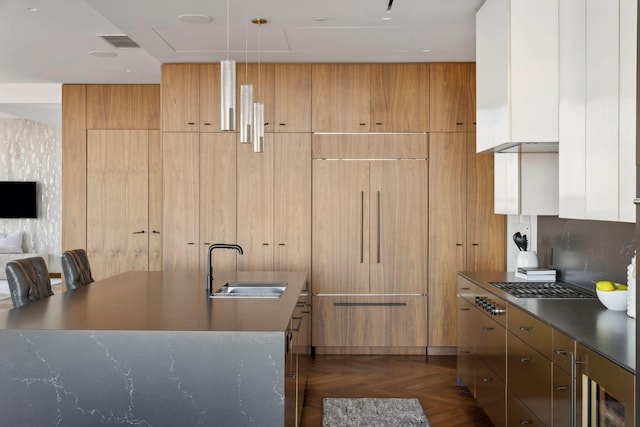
(526,359)
(487,328)
(525,422)
(465,309)
(488,380)
(526,328)
(301,304)
(191,123)
(562,388)
(465,289)
(370,304)
(561,352)
(465,352)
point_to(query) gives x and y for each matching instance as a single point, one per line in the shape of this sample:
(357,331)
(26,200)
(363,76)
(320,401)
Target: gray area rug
(372,412)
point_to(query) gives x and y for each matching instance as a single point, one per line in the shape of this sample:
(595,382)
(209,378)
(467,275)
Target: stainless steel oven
(605,394)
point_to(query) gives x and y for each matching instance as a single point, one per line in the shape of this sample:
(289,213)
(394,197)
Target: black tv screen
(18,199)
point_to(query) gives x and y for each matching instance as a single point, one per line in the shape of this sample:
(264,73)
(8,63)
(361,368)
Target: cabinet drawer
(532,331)
(490,343)
(562,348)
(465,321)
(466,362)
(375,321)
(529,377)
(518,414)
(490,394)
(561,397)
(467,289)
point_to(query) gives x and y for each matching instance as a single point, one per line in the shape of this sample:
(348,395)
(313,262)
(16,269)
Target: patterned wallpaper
(32,151)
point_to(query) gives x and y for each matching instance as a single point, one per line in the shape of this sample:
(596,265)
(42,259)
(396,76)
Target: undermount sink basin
(250,290)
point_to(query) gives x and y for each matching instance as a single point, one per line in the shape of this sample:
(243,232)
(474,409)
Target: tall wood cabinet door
(179,97)
(486,231)
(180,167)
(340,227)
(340,97)
(155,200)
(447,233)
(117,201)
(398,227)
(263,91)
(209,97)
(293,97)
(255,206)
(452,97)
(292,202)
(399,98)
(217,198)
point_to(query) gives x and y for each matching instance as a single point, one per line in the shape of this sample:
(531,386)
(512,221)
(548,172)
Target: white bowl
(613,300)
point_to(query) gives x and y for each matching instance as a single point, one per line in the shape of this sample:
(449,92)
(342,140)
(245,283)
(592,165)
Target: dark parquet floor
(432,380)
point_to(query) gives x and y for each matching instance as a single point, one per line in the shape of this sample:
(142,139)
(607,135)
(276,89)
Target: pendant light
(246,95)
(258,107)
(228,88)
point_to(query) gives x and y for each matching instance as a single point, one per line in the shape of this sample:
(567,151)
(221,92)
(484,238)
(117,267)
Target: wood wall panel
(263,91)
(209,98)
(179,92)
(74,168)
(293,97)
(155,200)
(370,146)
(123,106)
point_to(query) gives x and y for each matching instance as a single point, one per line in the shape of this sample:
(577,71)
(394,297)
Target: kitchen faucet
(210,260)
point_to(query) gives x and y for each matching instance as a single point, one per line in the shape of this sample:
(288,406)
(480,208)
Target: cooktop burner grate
(540,290)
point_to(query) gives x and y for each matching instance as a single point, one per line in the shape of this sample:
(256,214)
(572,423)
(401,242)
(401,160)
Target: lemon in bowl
(612,295)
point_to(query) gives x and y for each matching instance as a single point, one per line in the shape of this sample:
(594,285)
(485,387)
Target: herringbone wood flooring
(431,379)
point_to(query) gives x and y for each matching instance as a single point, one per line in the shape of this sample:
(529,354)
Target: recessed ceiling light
(102,54)
(128,70)
(319,18)
(426,50)
(32,9)
(387,18)
(195,18)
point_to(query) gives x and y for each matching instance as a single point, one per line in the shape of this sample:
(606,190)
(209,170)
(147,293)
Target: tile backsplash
(31,151)
(586,251)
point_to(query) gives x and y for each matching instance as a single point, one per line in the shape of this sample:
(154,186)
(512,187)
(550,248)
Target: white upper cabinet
(516,73)
(597,99)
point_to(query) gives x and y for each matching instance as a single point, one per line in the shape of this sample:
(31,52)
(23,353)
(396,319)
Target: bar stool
(28,280)
(76,269)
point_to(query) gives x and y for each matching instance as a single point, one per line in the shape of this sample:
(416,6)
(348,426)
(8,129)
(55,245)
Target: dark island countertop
(607,332)
(161,301)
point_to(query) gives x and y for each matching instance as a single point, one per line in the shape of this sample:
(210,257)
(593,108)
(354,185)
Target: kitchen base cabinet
(518,414)
(490,393)
(561,395)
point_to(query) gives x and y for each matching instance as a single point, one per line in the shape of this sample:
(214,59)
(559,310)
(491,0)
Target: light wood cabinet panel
(180,201)
(340,97)
(398,222)
(155,200)
(452,89)
(217,191)
(491,394)
(351,321)
(465,234)
(209,97)
(292,202)
(399,98)
(292,97)
(263,90)
(180,97)
(74,166)
(117,201)
(123,107)
(369,146)
(340,247)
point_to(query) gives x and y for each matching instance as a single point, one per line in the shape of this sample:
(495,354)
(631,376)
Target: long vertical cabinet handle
(362,227)
(378,225)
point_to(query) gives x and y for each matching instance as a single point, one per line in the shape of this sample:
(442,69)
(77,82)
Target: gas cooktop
(540,290)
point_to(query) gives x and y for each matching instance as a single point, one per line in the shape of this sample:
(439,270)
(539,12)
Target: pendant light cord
(259,55)
(227,30)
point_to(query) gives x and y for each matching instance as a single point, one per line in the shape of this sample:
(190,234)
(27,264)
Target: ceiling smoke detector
(119,41)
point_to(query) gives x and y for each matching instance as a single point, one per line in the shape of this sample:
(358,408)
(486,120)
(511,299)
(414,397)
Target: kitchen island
(149,349)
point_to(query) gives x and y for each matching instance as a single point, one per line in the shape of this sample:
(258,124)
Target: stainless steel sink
(250,290)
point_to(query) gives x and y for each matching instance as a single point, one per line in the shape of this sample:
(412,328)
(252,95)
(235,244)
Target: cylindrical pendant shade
(246,114)
(228,94)
(258,127)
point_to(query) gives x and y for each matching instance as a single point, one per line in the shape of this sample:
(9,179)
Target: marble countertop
(161,301)
(609,333)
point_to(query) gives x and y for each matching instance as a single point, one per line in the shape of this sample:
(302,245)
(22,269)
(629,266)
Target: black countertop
(161,301)
(607,332)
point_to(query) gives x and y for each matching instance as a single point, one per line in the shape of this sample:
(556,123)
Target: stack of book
(539,274)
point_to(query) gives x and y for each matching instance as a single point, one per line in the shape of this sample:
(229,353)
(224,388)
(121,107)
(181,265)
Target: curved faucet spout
(210,259)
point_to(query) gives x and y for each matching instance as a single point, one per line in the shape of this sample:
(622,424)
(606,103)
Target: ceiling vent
(119,41)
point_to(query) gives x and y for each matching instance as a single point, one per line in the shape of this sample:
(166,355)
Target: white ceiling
(52,44)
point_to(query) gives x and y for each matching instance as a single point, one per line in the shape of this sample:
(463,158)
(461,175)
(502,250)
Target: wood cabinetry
(292,97)
(123,107)
(369,246)
(261,76)
(199,199)
(120,233)
(466,235)
(274,204)
(564,386)
(453,97)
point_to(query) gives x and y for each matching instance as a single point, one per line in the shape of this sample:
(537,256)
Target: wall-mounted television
(18,199)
